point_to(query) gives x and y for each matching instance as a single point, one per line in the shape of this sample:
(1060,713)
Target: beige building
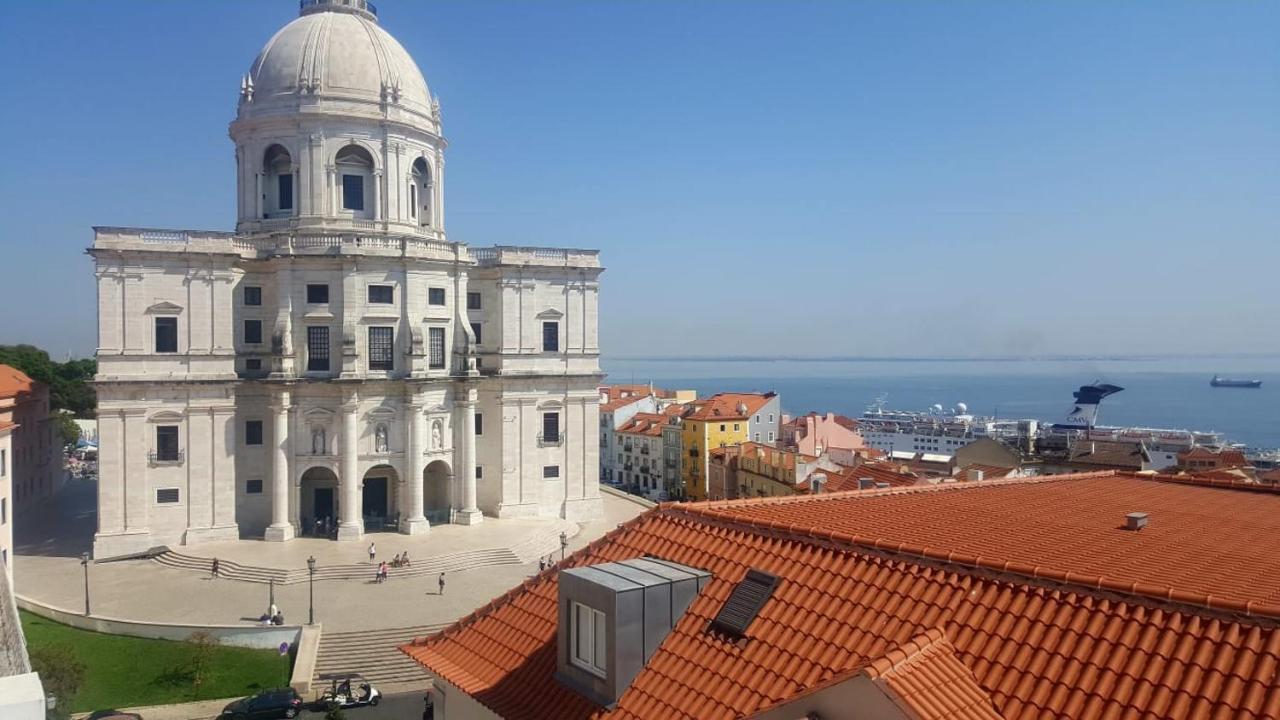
(339,364)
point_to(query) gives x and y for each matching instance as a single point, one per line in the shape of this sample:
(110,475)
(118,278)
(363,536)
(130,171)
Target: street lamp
(84,563)
(271,596)
(564,543)
(311,571)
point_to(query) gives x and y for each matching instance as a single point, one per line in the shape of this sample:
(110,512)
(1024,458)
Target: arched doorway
(318,502)
(437,491)
(378,498)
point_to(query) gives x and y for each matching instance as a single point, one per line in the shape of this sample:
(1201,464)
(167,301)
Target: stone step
(375,654)
(248,573)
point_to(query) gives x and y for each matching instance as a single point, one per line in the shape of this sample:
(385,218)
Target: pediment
(318,415)
(550,405)
(382,413)
(164,308)
(165,416)
(550,314)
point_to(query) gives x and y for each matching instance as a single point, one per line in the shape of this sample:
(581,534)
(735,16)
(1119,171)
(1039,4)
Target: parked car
(283,703)
(113,715)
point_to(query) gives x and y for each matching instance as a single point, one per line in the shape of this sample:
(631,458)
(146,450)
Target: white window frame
(596,639)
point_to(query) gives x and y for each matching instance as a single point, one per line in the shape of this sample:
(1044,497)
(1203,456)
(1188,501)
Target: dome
(335,49)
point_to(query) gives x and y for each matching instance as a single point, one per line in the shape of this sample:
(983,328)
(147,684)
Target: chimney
(817,483)
(975,474)
(1135,521)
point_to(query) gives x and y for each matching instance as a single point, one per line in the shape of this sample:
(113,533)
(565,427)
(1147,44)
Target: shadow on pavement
(63,526)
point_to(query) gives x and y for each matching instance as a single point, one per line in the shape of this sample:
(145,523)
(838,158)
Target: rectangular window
(284,191)
(381,294)
(736,428)
(252,332)
(253,364)
(435,296)
(473,301)
(166,334)
(167,443)
(353,192)
(475,330)
(167,495)
(318,348)
(381,346)
(551,337)
(590,637)
(318,294)
(253,487)
(252,295)
(551,427)
(479,424)
(4,463)
(550,471)
(435,348)
(252,432)
(479,473)
(4,510)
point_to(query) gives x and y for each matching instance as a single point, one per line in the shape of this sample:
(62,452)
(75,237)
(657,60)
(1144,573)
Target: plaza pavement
(47,569)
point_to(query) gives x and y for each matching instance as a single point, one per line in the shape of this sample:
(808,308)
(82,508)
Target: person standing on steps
(373,552)
(442,583)
(214,568)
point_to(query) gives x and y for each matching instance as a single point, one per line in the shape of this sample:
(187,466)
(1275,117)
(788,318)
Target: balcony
(155,458)
(548,440)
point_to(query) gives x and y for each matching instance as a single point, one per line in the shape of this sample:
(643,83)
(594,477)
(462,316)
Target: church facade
(337,365)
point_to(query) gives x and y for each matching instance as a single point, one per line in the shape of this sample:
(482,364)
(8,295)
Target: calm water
(1167,393)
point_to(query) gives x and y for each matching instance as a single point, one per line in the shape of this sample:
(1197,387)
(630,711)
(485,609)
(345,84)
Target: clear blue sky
(807,178)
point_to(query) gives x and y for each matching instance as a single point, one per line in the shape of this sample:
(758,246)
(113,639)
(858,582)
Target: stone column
(349,525)
(280,529)
(469,514)
(415,522)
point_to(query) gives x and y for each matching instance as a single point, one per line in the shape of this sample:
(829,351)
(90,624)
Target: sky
(802,178)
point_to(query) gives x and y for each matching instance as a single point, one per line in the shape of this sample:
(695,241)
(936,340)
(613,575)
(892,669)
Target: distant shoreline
(919,359)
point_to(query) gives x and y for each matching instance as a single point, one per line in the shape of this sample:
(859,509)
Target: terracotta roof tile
(14,382)
(1039,597)
(727,406)
(620,402)
(647,424)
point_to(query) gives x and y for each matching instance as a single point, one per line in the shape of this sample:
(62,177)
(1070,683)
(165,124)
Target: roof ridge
(907,652)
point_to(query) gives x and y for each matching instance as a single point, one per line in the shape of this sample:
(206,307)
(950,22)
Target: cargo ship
(1231,383)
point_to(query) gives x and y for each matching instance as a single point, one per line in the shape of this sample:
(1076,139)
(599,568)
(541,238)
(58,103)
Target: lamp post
(311,583)
(271,596)
(84,563)
(564,543)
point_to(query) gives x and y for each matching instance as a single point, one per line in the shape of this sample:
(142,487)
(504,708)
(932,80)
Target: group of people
(546,562)
(401,560)
(273,616)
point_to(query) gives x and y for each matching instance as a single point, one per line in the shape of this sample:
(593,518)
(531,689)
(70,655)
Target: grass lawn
(125,671)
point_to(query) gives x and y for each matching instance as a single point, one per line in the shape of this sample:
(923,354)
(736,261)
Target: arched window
(277,186)
(421,182)
(355,178)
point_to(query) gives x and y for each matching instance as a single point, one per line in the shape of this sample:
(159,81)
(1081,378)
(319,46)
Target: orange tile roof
(1054,610)
(5,426)
(648,424)
(925,676)
(849,478)
(621,402)
(725,406)
(14,382)
(989,472)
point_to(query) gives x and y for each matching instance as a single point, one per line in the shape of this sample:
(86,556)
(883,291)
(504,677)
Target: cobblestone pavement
(49,542)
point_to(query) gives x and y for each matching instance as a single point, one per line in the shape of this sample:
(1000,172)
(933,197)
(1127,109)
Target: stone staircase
(540,545)
(374,654)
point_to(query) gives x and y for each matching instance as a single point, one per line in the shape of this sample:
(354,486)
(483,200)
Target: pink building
(814,434)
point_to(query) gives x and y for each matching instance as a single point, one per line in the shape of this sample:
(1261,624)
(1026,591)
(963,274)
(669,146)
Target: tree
(68,430)
(61,674)
(68,382)
(203,646)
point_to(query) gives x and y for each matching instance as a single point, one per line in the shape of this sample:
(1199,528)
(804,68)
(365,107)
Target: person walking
(542,564)
(373,552)
(214,567)
(442,583)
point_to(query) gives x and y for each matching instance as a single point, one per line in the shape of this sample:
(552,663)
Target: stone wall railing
(546,257)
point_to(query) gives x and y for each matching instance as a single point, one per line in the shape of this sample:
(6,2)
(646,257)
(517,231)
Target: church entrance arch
(378,498)
(318,502)
(437,491)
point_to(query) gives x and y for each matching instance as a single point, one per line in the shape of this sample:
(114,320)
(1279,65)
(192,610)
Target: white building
(640,453)
(617,407)
(337,361)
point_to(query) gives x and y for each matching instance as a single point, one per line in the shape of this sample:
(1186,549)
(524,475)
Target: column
(349,527)
(280,529)
(469,514)
(415,522)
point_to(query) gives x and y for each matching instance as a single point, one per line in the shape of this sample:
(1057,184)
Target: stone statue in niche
(317,441)
(380,438)
(435,435)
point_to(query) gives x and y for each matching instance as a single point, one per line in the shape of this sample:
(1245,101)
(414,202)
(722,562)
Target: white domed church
(338,365)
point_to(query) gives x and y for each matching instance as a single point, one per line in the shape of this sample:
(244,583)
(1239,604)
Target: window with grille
(435,296)
(253,364)
(168,495)
(551,427)
(253,487)
(167,443)
(252,332)
(475,330)
(166,334)
(550,471)
(551,337)
(318,294)
(252,295)
(318,348)
(435,348)
(381,345)
(381,294)
(252,432)
(473,301)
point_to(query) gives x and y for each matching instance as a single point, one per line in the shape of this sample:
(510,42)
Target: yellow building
(721,420)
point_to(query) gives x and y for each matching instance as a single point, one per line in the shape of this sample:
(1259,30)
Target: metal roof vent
(744,603)
(1135,521)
